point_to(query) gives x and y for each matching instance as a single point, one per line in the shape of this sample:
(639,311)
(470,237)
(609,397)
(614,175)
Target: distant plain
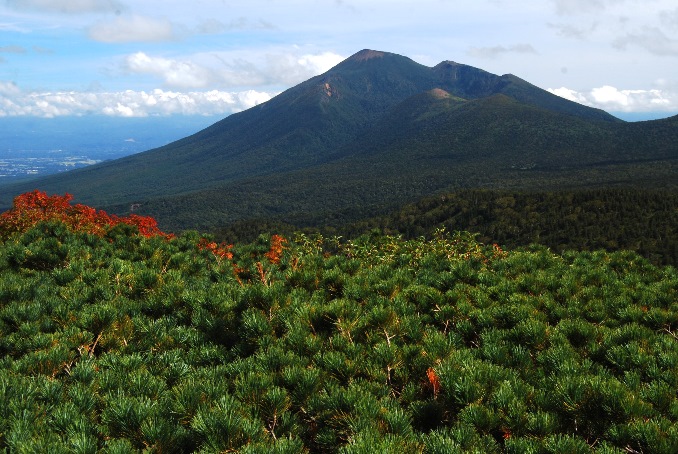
(34,147)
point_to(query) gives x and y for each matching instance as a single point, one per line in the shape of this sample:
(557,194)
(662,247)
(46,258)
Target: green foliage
(124,343)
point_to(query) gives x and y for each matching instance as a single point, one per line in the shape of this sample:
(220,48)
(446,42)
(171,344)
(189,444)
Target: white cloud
(67,6)
(215,26)
(651,39)
(569,94)
(129,103)
(320,63)
(201,84)
(607,95)
(187,82)
(569,7)
(12,27)
(669,18)
(290,68)
(574,31)
(173,73)
(133,28)
(9,89)
(497,51)
(228,70)
(12,49)
(613,99)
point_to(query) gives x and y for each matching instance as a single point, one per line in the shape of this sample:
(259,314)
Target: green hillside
(372,133)
(435,144)
(113,341)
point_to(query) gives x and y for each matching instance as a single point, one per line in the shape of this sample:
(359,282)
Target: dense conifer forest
(613,219)
(115,337)
(642,220)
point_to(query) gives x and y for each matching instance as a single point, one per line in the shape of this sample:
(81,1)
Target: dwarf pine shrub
(120,339)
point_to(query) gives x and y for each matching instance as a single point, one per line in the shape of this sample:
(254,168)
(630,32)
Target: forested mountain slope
(434,143)
(373,132)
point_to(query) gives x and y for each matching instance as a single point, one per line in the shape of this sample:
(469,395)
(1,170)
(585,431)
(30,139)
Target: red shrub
(36,206)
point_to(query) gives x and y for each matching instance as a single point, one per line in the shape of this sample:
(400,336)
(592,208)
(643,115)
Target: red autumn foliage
(221,251)
(33,207)
(275,252)
(434,381)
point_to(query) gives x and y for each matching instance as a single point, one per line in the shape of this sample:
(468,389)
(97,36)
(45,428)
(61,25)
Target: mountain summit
(376,128)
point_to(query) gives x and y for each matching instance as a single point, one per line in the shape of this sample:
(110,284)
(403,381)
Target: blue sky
(216,57)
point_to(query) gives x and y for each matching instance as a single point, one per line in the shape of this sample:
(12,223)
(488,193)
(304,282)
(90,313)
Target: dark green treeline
(642,220)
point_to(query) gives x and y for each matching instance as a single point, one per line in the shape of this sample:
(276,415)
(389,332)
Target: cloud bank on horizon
(207,57)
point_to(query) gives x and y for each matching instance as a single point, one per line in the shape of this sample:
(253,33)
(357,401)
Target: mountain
(375,131)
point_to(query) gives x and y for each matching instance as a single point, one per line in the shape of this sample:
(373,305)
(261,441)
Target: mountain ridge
(380,122)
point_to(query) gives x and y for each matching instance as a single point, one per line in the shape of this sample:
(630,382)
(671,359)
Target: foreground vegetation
(115,337)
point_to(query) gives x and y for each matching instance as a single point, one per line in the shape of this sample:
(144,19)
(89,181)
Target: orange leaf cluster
(220,251)
(434,381)
(275,252)
(33,207)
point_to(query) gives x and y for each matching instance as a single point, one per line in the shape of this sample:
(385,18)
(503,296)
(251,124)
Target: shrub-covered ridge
(120,342)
